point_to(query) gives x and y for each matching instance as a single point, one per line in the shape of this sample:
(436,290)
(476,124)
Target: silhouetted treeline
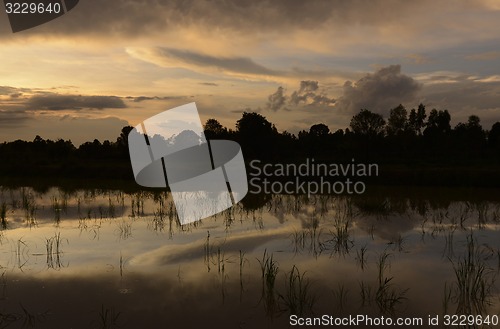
(58,159)
(405,136)
(413,146)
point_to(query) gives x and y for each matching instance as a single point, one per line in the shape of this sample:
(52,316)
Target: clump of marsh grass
(448,250)
(3,284)
(3,215)
(297,298)
(269,268)
(31,319)
(56,206)
(30,207)
(124,230)
(341,296)
(341,242)
(108,318)
(365,293)
(122,265)
(446,298)
(361,257)
(53,246)
(159,215)
(387,296)
(111,208)
(242,261)
(308,239)
(21,253)
(474,280)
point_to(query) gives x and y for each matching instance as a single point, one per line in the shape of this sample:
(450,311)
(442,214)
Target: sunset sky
(110,63)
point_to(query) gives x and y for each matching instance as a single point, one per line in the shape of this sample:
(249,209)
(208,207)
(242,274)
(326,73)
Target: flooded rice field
(110,259)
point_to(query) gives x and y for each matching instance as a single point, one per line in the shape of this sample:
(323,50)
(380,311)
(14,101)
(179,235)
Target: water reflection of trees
(370,232)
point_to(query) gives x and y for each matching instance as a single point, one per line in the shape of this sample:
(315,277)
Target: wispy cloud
(57,102)
(169,57)
(484,56)
(419,59)
(14,118)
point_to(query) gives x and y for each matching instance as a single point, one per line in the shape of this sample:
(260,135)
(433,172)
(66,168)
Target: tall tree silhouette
(398,121)
(319,130)
(438,122)
(416,119)
(367,123)
(494,136)
(256,135)
(213,129)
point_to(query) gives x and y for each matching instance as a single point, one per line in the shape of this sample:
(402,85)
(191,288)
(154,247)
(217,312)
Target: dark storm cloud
(129,18)
(56,102)
(133,18)
(379,91)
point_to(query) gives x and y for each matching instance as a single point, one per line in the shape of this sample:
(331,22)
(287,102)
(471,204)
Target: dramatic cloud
(486,56)
(249,48)
(307,89)
(5,90)
(138,99)
(464,95)
(13,119)
(248,28)
(419,59)
(168,57)
(132,18)
(276,101)
(56,102)
(13,91)
(78,129)
(379,91)
(308,94)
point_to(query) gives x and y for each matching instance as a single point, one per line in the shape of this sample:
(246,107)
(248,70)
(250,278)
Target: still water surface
(110,259)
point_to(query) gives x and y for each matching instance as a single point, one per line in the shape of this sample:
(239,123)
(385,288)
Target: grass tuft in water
(108,318)
(474,280)
(387,296)
(53,246)
(341,296)
(3,215)
(269,268)
(361,257)
(297,298)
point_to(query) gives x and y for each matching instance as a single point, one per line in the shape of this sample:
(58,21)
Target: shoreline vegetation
(411,148)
